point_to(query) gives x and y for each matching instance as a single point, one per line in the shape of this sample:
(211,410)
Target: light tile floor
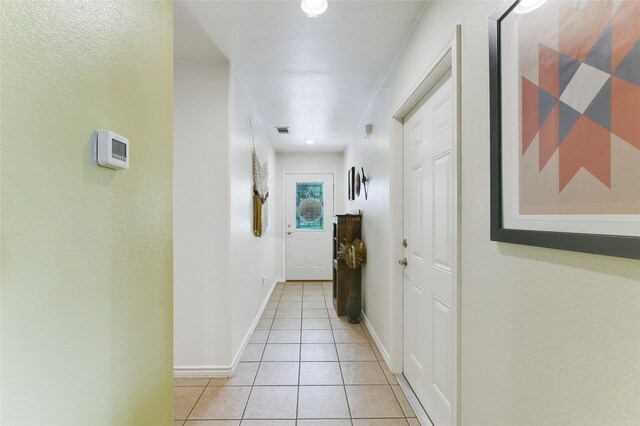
(303,366)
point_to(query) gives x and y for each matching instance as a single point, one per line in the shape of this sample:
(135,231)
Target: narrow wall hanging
(565,127)
(260,191)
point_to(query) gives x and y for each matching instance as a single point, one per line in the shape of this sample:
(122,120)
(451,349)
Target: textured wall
(548,336)
(86,251)
(201,214)
(249,257)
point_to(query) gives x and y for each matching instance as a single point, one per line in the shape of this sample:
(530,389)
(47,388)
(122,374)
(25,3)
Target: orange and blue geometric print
(588,88)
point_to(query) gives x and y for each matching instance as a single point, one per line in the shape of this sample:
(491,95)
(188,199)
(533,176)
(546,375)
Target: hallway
(303,362)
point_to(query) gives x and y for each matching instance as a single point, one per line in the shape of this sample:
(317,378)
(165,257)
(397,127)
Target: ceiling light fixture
(310,142)
(526,6)
(313,8)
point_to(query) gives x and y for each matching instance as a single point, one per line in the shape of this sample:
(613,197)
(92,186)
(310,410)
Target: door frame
(283,213)
(448,59)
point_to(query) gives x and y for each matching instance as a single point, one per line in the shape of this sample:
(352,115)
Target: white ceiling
(316,75)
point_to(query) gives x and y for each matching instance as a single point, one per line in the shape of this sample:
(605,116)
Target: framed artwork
(565,125)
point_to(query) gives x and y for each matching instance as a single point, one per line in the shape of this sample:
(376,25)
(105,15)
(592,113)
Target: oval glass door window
(309,205)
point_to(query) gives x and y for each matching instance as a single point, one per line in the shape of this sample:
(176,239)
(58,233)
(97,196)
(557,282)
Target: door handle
(403,262)
(289,233)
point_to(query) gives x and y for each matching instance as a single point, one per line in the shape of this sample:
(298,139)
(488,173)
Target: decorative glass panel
(310,205)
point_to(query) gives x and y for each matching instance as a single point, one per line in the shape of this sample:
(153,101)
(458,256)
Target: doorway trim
(448,59)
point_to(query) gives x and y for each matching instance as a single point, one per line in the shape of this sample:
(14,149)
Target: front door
(429,193)
(308,226)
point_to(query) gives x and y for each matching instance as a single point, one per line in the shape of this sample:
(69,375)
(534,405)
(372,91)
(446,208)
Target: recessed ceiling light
(314,8)
(310,142)
(526,6)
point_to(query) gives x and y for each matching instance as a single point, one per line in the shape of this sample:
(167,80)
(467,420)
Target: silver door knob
(403,262)
(289,233)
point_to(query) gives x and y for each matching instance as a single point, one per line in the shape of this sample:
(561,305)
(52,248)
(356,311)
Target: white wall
(548,337)
(304,163)
(250,257)
(201,214)
(218,262)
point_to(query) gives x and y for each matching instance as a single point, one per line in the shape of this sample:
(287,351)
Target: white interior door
(428,228)
(308,225)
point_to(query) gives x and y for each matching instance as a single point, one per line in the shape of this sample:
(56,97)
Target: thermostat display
(111,150)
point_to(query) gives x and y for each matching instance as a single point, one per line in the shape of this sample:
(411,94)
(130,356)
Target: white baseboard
(376,340)
(197,371)
(225,370)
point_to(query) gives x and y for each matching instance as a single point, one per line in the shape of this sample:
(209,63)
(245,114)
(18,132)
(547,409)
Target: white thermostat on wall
(111,150)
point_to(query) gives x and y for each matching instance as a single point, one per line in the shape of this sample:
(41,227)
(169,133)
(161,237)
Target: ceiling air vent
(283,130)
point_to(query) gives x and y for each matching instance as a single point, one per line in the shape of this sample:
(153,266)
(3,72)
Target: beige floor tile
(314,297)
(259,336)
(272,305)
(212,423)
(291,291)
(277,373)
(178,422)
(287,324)
(313,292)
(268,423)
(272,402)
(253,352)
(342,323)
(315,313)
(390,377)
(349,336)
(184,399)
(413,422)
(290,305)
(318,352)
(404,403)
(289,313)
(268,313)
(375,402)
(317,336)
(314,305)
(329,304)
(294,285)
(320,373)
(291,298)
(363,373)
(221,403)
(319,422)
(244,375)
(377,353)
(284,336)
(368,334)
(355,352)
(332,313)
(188,381)
(281,352)
(316,324)
(264,324)
(322,402)
(380,422)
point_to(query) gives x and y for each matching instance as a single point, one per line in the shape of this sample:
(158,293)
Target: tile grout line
(246,404)
(198,400)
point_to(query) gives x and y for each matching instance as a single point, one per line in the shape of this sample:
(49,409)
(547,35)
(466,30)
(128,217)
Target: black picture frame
(608,245)
(351,176)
